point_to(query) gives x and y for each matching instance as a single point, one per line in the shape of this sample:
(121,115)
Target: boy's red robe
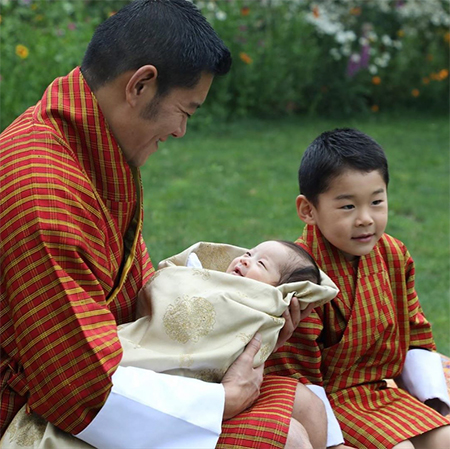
(360,338)
(72,261)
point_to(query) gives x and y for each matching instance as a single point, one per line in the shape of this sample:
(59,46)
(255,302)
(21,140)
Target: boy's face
(261,263)
(352,213)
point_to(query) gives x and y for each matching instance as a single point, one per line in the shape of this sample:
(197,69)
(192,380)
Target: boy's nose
(364,219)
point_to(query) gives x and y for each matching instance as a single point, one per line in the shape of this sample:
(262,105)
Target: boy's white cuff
(147,409)
(334,432)
(423,377)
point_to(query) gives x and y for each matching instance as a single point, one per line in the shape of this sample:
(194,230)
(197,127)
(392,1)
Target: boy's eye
(348,207)
(377,202)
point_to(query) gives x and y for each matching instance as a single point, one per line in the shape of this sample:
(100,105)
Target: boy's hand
(242,382)
(292,316)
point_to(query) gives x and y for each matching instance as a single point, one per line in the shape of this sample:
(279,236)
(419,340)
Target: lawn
(237,183)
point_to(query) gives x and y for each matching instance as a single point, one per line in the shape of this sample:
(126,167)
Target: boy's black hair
(172,35)
(292,272)
(334,152)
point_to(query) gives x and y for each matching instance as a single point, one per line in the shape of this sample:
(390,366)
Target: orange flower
(415,93)
(245,58)
(375,108)
(316,13)
(0,18)
(447,36)
(245,11)
(430,57)
(376,80)
(443,74)
(355,11)
(111,13)
(22,51)
(400,33)
(425,80)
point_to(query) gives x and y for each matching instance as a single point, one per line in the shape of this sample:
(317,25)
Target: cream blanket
(196,322)
(193,322)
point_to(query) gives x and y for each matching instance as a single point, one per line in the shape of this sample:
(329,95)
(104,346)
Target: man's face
(160,118)
(261,263)
(352,213)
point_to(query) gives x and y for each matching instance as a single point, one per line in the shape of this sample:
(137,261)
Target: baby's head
(276,262)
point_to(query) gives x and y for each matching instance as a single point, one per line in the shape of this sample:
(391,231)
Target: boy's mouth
(363,237)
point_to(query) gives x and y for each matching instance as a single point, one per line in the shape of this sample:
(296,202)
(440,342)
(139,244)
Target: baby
(276,262)
(204,305)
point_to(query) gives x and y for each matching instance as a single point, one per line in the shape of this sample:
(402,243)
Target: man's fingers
(253,346)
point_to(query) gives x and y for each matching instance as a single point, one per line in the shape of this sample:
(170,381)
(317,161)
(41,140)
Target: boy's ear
(305,210)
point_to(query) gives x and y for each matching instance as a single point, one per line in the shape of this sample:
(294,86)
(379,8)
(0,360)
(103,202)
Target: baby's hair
(292,272)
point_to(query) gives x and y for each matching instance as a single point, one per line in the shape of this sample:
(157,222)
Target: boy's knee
(308,402)
(297,437)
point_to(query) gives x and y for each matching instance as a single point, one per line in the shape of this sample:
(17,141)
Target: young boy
(375,328)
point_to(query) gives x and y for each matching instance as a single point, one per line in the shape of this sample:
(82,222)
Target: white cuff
(423,377)
(147,409)
(334,432)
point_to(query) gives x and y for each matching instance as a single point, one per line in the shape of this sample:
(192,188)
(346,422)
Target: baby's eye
(247,254)
(262,263)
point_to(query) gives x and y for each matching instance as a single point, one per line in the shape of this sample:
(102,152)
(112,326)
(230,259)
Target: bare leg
(297,437)
(436,439)
(309,411)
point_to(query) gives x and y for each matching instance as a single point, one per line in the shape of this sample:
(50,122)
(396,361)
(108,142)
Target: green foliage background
(282,61)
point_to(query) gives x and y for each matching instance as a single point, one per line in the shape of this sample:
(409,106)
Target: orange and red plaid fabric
(68,198)
(360,338)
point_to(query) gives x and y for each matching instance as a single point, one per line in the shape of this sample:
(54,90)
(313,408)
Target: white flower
(373,69)
(355,57)
(386,40)
(334,52)
(221,15)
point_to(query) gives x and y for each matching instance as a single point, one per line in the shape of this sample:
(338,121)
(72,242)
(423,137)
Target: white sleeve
(334,432)
(147,409)
(423,377)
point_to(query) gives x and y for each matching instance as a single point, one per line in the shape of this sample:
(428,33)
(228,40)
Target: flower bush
(328,57)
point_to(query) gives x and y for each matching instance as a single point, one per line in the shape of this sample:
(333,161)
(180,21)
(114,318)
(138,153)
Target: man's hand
(242,382)
(292,316)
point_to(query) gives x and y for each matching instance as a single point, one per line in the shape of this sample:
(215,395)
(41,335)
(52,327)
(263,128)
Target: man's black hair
(334,152)
(172,35)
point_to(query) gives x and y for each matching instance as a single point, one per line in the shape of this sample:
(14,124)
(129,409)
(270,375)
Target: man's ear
(142,85)
(305,210)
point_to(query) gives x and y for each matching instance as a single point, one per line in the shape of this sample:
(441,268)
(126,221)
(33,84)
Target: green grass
(237,183)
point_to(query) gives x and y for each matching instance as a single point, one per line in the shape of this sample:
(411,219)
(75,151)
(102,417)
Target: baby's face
(262,263)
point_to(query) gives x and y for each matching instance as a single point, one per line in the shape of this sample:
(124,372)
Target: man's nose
(181,131)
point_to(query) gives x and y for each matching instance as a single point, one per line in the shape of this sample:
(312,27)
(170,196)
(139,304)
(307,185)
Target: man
(72,255)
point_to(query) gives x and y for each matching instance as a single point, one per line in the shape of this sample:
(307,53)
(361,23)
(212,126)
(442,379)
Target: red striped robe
(351,344)
(72,261)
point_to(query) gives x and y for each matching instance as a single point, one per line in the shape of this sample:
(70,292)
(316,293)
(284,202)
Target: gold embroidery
(214,256)
(186,360)
(245,338)
(189,319)
(205,274)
